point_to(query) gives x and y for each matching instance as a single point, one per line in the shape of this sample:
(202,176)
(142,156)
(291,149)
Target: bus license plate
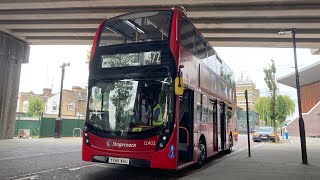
(114,160)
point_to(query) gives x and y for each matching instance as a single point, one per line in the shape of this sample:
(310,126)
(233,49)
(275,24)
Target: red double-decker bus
(159,96)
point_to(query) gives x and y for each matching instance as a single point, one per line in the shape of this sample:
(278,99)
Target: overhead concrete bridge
(228,23)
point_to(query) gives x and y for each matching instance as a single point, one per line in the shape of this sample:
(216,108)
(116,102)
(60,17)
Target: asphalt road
(61,159)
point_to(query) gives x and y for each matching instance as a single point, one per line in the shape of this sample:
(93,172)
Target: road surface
(61,159)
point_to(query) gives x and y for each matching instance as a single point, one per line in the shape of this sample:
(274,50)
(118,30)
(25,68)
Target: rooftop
(308,75)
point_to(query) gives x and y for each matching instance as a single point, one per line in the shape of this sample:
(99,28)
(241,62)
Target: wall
(50,103)
(311,123)
(310,96)
(253,95)
(13,53)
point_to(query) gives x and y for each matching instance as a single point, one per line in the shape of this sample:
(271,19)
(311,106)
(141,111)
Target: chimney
(46,91)
(76,89)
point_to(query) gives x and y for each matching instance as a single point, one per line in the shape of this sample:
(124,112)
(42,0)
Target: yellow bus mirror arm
(179,86)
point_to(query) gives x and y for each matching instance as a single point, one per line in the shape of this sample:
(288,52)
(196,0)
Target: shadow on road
(103,171)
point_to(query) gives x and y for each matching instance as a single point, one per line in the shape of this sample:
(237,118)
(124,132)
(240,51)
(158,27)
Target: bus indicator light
(171,155)
(171,148)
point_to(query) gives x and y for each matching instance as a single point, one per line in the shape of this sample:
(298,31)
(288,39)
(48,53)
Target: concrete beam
(303,13)
(206,35)
(215,43)
(7,5)
(257,35)
(261,25)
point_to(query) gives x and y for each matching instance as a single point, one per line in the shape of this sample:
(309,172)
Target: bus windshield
(136,27)
(126,107)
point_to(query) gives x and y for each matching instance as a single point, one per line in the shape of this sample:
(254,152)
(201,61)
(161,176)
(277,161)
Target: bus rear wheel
(202,152)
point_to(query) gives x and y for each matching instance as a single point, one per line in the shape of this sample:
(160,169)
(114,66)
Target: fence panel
(69,124)
(47,127)
(33,125)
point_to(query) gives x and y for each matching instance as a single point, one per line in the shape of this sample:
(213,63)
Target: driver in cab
(156,114)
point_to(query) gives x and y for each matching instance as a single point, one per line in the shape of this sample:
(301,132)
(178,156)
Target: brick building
(23,99)
(73,102)
(253,93)
(310,99)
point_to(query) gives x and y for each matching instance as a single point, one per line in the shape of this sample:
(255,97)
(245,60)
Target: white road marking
(28,177)
(46,171)
(43,154)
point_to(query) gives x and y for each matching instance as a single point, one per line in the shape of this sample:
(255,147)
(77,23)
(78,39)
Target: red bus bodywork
(142,152)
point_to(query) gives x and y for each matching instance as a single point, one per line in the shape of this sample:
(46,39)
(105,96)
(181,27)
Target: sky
(43,69)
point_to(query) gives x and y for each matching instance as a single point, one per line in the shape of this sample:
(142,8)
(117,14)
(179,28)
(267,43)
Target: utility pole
(58,121)
(301,121)
(248,124)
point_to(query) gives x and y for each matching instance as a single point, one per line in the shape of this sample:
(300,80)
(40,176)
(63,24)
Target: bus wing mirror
(178,86)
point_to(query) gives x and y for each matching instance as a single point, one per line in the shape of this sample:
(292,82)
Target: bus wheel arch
(202,152)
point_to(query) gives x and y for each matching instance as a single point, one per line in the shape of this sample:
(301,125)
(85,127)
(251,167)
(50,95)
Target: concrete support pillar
(13,53)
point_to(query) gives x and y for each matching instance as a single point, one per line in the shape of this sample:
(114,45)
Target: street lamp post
(58,121)
(301,122)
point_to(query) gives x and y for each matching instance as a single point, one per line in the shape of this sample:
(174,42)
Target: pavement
(49,158)
(267,161)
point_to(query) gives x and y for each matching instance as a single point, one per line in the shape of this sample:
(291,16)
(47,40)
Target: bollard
(286,132)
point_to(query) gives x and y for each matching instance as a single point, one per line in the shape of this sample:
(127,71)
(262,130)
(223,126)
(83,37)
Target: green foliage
(88,55)
(263,108)
(35,106)
(284,107)
(121,99)
(270,79)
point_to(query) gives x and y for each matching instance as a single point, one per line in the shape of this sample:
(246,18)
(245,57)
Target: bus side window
(188,36)
(199,107)
(204,109)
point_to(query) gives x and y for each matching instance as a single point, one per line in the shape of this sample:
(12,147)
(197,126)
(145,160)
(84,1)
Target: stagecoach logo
(111,143)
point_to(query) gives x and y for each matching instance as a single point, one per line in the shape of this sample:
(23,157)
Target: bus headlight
(162,142)
(86,136)
(164,138)
(161,145)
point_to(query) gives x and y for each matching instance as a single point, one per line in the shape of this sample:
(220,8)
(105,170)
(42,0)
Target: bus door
(222,125)
(186,122)
(215,124)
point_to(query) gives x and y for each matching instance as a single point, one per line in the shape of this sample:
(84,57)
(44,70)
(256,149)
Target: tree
(35,106)
(88,55)
(121,99)
(263,108)
(285,107)
(270,79)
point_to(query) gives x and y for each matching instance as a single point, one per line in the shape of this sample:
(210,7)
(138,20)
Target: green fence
(45,127)
(33,125)
(68,126)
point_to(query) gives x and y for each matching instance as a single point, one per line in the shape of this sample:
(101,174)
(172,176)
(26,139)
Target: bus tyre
(202,152)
